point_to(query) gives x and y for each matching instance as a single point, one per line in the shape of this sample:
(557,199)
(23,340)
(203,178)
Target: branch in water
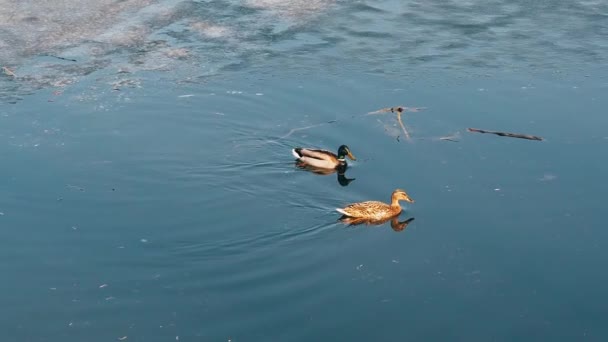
(62,58)
(398,109)
(407,135)
(504,134)
(293,130)
(8,72)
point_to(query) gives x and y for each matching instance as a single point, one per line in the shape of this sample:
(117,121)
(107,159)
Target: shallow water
(149,191)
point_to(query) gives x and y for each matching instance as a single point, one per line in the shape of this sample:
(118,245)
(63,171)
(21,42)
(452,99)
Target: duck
(375,210)
(322,158)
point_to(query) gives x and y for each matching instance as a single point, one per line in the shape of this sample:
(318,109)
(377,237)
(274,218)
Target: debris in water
(451,138)
(504,134)
(407,134)
(62,58)
(546,178)
(178,53)
(122,338)
(125,82)
(74,187)
(102,286)
(398,110)
(293,130)
(187,95)
(8,72)
(390,130)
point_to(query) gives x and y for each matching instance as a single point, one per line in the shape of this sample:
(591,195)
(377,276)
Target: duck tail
(296,152)
(341,211)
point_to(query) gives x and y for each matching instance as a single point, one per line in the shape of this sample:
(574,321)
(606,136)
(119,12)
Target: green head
(343,152)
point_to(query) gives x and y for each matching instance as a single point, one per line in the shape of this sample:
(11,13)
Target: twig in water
(293,130)
(399,109)
(62,58)
(8,72)
(450,137)
(504,134)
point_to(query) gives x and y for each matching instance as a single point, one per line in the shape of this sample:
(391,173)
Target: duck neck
(395,202)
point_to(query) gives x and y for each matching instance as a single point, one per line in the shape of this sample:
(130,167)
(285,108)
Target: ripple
(190,41)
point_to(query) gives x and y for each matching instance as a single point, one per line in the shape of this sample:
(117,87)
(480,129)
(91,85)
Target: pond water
(149,193)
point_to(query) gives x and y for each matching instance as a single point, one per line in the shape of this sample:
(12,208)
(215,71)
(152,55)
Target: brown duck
(375,210)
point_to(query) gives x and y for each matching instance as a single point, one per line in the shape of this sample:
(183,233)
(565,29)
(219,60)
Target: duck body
(375,210)
(322,159)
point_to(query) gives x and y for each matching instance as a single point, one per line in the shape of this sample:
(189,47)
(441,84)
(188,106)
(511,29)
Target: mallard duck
(375,210)
(322,158)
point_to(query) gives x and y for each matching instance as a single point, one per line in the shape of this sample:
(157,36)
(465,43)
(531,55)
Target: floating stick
(504,134)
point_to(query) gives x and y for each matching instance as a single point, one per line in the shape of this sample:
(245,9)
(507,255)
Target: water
(149,194)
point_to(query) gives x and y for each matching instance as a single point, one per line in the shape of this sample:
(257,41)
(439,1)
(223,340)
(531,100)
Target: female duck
(374,210)
(322,158)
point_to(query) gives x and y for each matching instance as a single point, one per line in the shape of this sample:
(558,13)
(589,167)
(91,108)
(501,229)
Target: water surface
(149,193)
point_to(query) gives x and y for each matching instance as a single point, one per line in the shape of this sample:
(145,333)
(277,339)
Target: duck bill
(350,155)
(409,200)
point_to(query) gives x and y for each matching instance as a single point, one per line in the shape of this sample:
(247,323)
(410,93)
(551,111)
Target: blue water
(149,194)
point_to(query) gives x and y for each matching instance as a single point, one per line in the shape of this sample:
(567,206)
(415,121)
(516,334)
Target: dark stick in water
(58,57)
(503,134)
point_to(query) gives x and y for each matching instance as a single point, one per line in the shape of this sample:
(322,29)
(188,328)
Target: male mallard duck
(375,210)
(322,158)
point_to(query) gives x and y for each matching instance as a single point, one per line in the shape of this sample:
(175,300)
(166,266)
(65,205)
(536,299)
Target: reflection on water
(340,171)
(397,225)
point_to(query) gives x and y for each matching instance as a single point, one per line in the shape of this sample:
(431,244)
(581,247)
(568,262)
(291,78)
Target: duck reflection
(397,225)
(340,170)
